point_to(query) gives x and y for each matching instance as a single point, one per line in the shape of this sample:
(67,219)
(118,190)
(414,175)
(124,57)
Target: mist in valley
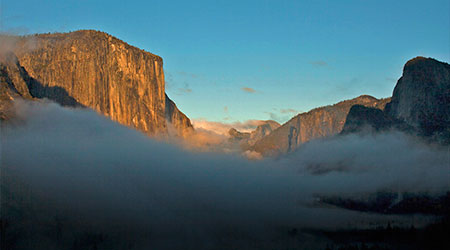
(73,178)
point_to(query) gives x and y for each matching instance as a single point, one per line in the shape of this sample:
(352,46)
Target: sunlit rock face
(317,123)
(421,97)
(95,70)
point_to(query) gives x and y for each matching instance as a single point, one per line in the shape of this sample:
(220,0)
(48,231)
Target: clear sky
(236,60)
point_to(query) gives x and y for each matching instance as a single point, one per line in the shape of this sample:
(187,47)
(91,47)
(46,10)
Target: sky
(230,61)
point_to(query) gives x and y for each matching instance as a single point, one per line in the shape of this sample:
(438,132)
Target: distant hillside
(317,123)
(248,139)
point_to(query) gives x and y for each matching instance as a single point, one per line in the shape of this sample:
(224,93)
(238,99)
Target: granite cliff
(420,103)
(96,70)
(317,123)
(421,97)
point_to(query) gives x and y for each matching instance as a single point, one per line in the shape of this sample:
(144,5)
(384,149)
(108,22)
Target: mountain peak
(365,97)
(421,63)
(85,36)
(421,97)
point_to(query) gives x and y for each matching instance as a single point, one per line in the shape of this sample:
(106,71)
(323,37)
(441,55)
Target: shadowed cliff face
(420,104)
(104,73)
(8,92)
(13,84)
(361,119)
(421,97)
(178,123)
(317,123)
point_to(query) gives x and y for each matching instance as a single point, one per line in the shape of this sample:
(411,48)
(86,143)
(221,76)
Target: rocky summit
(420,104)
(96,70)
(421,97)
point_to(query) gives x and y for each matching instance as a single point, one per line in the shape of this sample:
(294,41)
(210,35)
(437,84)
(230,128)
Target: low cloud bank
(202,140)
(76,177)
(210,136)
(223,128)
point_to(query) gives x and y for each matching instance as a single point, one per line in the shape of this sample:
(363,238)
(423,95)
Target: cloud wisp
(222,128)
(248,90)
(319,63)
(9,42)
(287,111)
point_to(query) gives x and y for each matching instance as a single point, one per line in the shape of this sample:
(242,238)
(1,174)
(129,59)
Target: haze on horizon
(232,61)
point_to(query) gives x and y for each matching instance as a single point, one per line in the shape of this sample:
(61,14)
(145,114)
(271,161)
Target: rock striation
(317,123)
(96,70)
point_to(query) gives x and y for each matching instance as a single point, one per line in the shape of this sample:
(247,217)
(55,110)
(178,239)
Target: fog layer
(76,166)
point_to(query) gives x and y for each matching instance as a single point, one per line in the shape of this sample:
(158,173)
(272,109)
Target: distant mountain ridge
(248,139)
(317,123)
(96,70)
(420,104)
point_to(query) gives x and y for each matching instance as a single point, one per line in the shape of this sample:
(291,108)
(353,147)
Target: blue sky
(232,61)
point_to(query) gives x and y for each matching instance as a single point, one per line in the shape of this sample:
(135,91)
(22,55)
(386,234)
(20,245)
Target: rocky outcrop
(13,84)
(96,70)
(262,130)
(237,135)
(317,123)
(178,123)
(248,139)
(421,97)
